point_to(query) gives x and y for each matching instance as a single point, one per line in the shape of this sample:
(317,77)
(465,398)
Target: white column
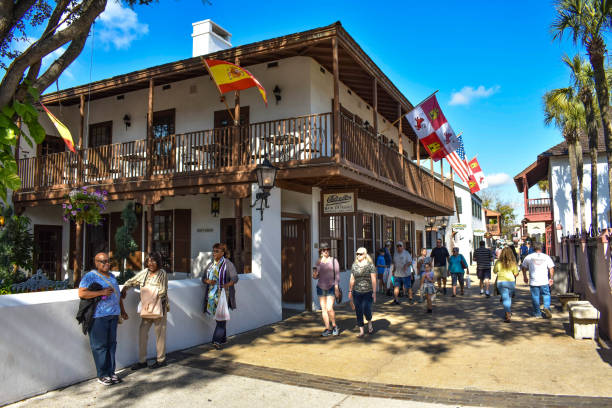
(266,247)
(314,234)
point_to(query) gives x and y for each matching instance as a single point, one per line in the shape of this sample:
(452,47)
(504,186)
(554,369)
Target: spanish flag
(62,129)
(229,77)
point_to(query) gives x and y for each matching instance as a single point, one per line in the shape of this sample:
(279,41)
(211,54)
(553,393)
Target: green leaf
(7,136)
(8,111)
(36,131)
(20,108)
(34,93)
(7,122)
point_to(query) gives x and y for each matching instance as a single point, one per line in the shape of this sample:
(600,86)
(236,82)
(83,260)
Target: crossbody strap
(109,284)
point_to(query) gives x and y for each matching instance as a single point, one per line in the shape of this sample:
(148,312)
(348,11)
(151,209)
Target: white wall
(560,185)
(463,239)
(42,347)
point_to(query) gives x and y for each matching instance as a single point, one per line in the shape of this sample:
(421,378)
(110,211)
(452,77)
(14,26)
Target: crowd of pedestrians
(102,309)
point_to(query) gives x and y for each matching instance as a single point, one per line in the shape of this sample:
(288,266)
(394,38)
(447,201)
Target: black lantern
(277,94)
(127,120)
(215,205)
(266,177)
(430,221)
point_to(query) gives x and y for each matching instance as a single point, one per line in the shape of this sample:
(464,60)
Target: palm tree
(588,20)
(562,107)
(582,76)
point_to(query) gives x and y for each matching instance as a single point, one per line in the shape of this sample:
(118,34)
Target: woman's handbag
(339,293)
(151,303)
(222,313)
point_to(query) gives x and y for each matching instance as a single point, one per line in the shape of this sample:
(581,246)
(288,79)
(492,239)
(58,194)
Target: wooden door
(230,146)
(293,261)
(48,254)
(419,243)
(99,153)
(96,240)
(228,237)
(163,140)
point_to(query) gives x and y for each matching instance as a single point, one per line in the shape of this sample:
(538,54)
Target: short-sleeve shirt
(363,280)
(110,305)
(439,256)
(329,273)
(455,264)
(380,260)
(401,261)
(538,265)
(424,260)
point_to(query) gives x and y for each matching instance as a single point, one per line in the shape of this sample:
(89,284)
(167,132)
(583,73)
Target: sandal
(360,335)
(370,328)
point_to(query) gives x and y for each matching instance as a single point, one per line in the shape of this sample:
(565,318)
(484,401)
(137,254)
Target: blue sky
(490,60)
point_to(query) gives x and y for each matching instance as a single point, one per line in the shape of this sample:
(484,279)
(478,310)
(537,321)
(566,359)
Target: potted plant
(85,206)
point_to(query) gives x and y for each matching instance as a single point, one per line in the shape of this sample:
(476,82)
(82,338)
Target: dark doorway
(228,237)
(96,240)
(48,254)
(51,144)
(294,261)
(164,144)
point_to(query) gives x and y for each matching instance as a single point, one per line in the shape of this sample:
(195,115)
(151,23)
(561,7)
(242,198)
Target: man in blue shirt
(103,332)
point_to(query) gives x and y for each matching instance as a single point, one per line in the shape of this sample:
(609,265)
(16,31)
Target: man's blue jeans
(506,288)
(536,291)
(103,342)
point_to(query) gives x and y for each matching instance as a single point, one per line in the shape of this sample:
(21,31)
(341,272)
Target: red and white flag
(479,176)
(433,129)
(457,161)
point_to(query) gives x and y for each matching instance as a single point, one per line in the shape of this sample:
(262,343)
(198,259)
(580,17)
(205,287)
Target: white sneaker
(482,291)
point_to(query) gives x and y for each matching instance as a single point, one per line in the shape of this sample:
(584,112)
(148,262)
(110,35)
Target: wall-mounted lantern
(215,205)
(277,94)
(266,177)
(2,221)
(127,120)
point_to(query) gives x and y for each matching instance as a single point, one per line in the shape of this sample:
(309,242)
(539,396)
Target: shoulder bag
(151,302)
(339,294)
(110,285)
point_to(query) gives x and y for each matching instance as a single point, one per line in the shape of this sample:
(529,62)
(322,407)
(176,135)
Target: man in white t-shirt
(402,261)
(541,270)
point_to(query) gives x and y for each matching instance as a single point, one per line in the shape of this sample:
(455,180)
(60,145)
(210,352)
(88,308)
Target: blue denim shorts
(326,292)
(406,282)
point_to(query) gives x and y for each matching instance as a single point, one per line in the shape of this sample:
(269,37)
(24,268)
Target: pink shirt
(326,273)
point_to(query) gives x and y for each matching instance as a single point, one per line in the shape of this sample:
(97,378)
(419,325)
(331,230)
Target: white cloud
(467,94)
(498,179)
(120,26)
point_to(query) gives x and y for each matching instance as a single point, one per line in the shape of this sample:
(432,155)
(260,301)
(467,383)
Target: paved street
(463,355)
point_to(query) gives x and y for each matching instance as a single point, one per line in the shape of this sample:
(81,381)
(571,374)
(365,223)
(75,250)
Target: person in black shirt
(483,257)
(440,256)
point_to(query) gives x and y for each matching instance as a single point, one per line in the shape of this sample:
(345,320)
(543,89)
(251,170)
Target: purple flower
(86,207)
(64,206)
(84,189)
(70,206)
(74,213)
(104,192)
(65,218)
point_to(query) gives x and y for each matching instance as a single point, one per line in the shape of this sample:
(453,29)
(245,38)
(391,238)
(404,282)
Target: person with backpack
(327,272)
(456,266)
(484,258)
(153,284)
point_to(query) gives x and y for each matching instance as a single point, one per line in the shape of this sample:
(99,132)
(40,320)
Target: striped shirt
(483,257)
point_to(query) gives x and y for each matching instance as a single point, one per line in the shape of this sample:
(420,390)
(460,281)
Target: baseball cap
(399,243)
(361,250)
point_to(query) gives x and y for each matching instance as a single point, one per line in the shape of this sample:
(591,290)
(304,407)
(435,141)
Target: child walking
(427,286)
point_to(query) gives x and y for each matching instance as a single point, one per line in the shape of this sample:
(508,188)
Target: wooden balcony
(538,209)
(493,229)
(292,144)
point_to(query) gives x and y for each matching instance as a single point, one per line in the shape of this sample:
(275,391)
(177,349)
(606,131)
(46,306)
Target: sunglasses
(360,253)
(103,261)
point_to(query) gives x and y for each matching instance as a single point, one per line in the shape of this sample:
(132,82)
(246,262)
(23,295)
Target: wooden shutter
(359,230)
(376,225)
(182,240)
(247,245)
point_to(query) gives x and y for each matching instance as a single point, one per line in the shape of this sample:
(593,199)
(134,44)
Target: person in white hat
(402,262)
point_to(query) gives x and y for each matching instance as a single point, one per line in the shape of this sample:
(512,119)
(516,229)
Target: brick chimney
(209,37)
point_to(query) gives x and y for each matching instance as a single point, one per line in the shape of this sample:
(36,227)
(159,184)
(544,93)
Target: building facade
(162,138)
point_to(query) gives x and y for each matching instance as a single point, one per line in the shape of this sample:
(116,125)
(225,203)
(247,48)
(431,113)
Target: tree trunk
(580,174)
(574,183)
(597,49)
(592,130)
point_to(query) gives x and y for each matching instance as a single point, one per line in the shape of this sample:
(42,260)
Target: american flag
(457,161)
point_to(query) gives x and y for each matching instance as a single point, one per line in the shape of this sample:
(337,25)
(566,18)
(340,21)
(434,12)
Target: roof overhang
(535,172)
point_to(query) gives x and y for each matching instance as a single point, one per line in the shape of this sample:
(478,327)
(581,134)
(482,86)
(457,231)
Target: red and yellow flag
(229,77)
(62,129)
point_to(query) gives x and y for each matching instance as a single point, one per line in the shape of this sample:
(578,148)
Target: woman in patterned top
(362,289)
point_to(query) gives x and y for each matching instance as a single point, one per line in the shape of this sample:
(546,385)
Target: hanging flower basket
(85,206)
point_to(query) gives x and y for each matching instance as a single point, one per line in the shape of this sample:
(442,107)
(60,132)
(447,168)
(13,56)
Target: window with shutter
(182,240)
(331,232)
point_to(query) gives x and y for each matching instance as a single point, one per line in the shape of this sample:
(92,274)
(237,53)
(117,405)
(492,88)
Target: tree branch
(45,46)
(59,65)
(10,13)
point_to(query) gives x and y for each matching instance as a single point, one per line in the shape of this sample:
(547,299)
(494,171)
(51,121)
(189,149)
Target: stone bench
(583,319)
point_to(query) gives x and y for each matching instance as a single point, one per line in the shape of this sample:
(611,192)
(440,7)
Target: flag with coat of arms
(478,174)
(432,129)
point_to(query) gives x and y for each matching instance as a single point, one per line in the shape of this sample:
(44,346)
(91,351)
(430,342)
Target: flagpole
(218,89)
(423,101)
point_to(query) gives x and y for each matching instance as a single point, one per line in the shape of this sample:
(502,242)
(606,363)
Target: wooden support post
(526,193)
(236,133)
(336,113)
(79,143)
(150,130)
(17,144)
(78,255)
(150,219)
(238,240)
(375,124)
(442,169)
(399,132)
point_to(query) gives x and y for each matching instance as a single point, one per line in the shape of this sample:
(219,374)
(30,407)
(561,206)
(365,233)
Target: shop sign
(341,202)
(458,226)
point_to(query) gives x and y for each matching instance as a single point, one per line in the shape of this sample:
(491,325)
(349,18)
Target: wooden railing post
(150,130)
(336,110)
(78,256)
(376,167)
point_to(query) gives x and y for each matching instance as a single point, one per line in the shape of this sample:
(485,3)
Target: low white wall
(42,347)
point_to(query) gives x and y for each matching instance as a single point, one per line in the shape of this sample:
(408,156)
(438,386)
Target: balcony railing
(493,229)
(285,142)
(538,206)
